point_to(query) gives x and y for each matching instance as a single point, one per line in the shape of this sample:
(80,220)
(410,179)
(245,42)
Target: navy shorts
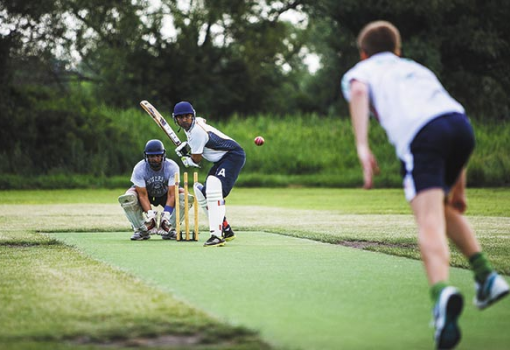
(227,170)
(437,155)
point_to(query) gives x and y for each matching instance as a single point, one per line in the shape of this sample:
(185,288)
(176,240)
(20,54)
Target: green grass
(101,288)
(297,293)
(52,295)
(486,202)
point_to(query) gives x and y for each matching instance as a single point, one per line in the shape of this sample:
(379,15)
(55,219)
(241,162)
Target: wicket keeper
(153,185)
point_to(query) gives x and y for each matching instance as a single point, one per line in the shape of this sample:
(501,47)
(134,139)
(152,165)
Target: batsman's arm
(197,158)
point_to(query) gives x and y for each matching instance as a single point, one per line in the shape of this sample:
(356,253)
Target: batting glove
(183,149)
(187,161)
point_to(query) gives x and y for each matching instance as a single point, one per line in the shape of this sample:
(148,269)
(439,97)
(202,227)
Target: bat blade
(160,120)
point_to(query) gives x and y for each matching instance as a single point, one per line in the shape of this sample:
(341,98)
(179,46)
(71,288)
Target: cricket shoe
(491,290)
(169,235)
(166,231)
(140,236)
(228,234)
(214,241)
(446,313)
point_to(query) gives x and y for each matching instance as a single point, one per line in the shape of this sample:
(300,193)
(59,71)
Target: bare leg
(457,227)
(428,208)
(460,232)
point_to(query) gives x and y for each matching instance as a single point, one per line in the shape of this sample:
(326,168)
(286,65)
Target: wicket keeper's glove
(183,149)
(150,221)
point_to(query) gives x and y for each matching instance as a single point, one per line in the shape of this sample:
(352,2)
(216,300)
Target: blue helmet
(154,147)
(183,108)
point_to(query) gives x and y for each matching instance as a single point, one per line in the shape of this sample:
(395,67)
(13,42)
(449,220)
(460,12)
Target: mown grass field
(71,277)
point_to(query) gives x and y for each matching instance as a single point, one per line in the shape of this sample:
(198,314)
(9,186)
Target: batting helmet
(183,108)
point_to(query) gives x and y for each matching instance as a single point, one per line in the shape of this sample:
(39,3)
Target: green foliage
(100,148)
(241,57)
(51,133)
(490,163)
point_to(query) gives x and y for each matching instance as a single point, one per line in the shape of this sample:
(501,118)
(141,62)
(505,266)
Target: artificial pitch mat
(298,293)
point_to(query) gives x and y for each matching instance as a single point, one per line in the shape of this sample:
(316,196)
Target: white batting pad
(216,205)
(202,201)
(181,208)
(133,211)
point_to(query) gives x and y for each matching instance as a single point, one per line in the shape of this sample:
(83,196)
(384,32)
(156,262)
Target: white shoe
(491,290)
(446,313)
(140,236)
(168,235)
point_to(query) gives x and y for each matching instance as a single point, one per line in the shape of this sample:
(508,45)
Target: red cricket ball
(259,140)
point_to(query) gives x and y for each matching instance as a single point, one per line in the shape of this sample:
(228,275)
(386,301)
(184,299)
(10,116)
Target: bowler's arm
(359,110)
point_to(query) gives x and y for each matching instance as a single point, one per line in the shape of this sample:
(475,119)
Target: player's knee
(128,200)
(197,190)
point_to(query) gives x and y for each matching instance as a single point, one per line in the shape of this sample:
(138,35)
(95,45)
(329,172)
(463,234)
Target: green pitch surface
(300,294)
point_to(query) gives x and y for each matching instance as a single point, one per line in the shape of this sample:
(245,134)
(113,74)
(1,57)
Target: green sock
(436,290)
(480,266)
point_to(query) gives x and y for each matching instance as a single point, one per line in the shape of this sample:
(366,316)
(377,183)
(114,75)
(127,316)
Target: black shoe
(214,241)
(228,234)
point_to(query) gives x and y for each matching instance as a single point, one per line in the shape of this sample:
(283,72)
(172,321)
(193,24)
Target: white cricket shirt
(404,95)
(208,141)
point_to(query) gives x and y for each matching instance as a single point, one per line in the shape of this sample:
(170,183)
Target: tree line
(59,59)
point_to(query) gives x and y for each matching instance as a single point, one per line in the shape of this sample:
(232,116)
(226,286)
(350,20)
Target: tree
(463,41)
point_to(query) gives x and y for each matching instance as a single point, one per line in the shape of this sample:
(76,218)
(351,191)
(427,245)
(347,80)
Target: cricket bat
(158,118)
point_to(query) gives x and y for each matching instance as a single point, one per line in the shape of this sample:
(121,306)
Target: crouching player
(434,140)
(228,157)
(153,185)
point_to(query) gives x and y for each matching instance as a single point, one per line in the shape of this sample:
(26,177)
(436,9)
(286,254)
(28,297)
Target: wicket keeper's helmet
(154,147)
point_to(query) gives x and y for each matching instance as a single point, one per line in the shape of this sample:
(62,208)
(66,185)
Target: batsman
(153,186)
(207,142)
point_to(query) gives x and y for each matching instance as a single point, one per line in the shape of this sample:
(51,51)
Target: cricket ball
(259,140)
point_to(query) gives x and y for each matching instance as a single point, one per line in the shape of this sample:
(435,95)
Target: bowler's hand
(369,165)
